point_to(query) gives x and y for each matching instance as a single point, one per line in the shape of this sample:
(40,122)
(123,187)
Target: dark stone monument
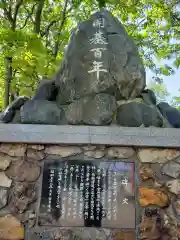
(98,83)
(88,194)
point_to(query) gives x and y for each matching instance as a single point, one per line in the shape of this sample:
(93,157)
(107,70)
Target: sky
(172,82)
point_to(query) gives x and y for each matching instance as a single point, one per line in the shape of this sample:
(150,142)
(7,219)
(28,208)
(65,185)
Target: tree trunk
(8,80)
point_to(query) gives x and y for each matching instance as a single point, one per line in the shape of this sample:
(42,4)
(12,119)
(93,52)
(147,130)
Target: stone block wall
(158,186)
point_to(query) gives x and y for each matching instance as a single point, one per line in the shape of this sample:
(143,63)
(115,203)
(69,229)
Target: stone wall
(158,186)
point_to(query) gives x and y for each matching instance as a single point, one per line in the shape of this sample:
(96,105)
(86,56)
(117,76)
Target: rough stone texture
(7,115)
(74,111)
(4,161)
(14,150)
(134,114)
(23,171)
(40,112)
(63,151)
(36,147)
(149,96)
(120,152)
(98,153)
(11,228)
(29,218)
(124,75)
(146,173)
(35,155)
(21,195)
(46,91)
(85,234)
(97,110)
(4,180)
(151,196)
(158,189)
(155,155)
(170,113)
(10,111)
(16,118)
(177,207)
(174,186)
(3,197)
(171,169)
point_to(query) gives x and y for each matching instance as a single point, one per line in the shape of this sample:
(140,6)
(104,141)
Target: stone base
(157,187)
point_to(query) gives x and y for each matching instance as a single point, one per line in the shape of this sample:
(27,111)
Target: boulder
(170,113)
(97,110)
(10,111)
(7,115)
(149,96)
(46,91)
(40,112)
(17,117)
(135,114)
(101,58)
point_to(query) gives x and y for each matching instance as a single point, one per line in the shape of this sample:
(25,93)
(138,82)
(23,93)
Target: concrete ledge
(110,135)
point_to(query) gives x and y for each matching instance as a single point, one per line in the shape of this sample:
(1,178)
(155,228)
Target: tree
(29,48)
(33,34)
(160,91)
(176,101)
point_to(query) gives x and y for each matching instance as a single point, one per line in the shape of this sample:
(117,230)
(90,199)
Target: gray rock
(24,171)
(46,91)
(20,197)
(40,112)
(17,117)
(170,113)
(10,111)
(29,218)
(1,115)
(3,197)
(171,169)
(173,186)
(121,71)
(16,104)
(177,159)
(177,207)
(74,112)
(7,115)
(97,110)
(4,180)
(148,96)
(134,114)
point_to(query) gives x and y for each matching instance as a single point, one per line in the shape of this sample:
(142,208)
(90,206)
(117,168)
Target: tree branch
(56,47)
(37,26)
(64,14)
(18,5)
(7,12)
(45,32)
(28,16)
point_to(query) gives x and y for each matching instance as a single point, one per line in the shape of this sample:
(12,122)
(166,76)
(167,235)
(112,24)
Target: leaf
(152,24)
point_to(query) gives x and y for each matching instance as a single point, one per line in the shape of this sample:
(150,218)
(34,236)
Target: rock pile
(100,82)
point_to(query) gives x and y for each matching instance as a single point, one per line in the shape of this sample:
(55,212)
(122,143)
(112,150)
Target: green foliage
(176,101)
(160,90)
(34,33)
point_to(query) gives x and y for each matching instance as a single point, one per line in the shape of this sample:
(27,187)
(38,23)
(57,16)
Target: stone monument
(101,81)
(51,189)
